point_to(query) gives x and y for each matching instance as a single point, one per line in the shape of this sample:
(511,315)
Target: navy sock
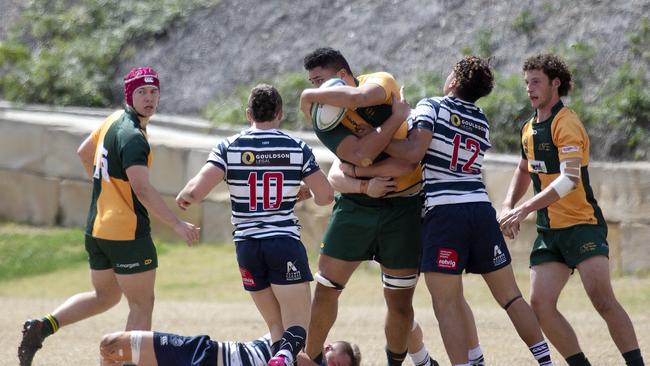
(633,358)
(293,340)
(395,359)
(578,359)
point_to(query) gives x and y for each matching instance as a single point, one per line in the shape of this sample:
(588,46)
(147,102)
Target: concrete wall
(42,183)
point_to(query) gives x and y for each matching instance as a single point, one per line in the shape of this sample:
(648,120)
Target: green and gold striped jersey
(115,211)
(544,144)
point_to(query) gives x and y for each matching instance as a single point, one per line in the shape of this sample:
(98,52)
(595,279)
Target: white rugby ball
(326,117)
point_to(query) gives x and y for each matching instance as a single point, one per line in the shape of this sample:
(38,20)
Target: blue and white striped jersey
(254,353)
(263,171)
(453,161)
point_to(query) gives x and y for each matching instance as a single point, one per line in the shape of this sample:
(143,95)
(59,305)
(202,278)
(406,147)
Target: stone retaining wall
(42,183)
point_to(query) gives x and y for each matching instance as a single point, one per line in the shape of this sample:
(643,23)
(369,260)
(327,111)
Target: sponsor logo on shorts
(246,277)
(447,258)
(588,247)
(127,265)
(293,274)
(499,257)
(147,262)
(163,340)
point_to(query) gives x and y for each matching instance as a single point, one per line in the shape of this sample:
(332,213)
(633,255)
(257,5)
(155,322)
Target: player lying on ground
(146,348)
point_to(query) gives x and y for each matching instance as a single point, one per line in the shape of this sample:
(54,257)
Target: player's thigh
(138,287)
(446,289)
(399,242)
(105,284)
(547,281)
(295,303)
(583,242)
(351,232)
(336,270)
(268,306)
(502,284)
(595,276)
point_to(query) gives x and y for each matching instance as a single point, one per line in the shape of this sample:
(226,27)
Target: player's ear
(249,115)
(556,82)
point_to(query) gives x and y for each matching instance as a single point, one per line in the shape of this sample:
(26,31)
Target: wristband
(363,187)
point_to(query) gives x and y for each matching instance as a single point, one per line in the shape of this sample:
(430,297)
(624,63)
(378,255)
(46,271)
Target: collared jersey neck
(554,111)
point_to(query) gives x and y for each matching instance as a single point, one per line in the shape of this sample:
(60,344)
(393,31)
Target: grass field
(199,292)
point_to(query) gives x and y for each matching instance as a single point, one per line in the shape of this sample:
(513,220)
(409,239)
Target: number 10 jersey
(263,170)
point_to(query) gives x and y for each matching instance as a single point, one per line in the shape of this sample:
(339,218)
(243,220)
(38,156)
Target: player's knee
(393,282)
(108,299)
(328,283)
(604,304)
(112,346)
(143,302)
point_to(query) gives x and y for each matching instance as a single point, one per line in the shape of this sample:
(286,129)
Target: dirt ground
(78,344)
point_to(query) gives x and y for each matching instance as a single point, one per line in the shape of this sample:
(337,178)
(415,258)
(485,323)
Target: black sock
(578,359)
(318,359)
(50,325)
(633,358)
(293,340)
(395,359)
(275,347)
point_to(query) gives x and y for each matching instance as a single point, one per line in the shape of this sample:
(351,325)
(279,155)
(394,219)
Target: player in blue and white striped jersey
(450,135)
(264,168)
(146,348)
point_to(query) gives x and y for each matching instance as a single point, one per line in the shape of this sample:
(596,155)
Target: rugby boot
(278,361)
(32,341)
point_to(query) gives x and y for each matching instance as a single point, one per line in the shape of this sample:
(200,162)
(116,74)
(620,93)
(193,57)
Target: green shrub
(231,110)
(65,54)
(524,23)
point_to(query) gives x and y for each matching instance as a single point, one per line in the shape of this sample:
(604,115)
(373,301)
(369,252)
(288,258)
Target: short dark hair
(474,78)
(327,58)
(265,103)
(553,66)
(352,350)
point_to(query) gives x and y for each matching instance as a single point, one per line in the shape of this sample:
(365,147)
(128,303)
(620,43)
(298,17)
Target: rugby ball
(326,117)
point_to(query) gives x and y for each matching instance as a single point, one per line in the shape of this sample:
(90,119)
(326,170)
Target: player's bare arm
(362,151)
(198,187)
(375,187)
(560,187)
(345,96)
(391,167)
(118,348)
(139,179)
(321,189)
(86,152)
(413,148)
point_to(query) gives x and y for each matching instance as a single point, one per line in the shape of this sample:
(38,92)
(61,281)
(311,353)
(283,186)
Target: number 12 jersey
(454,159)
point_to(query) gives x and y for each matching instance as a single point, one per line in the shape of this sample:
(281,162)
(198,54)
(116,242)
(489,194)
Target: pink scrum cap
(139,77)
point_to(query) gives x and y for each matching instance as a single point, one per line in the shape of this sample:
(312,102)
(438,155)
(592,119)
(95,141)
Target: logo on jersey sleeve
(499,257)
(293,274)
(447,258)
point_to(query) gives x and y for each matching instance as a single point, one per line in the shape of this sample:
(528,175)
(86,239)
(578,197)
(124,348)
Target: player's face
(539,88)
(145,100)
(319,75)
(336,356)
(449,84)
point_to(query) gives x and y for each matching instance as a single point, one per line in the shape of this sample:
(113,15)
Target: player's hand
(189,232)
(380,186)
(305,105)
(400,107)
(181,202)
(363,129)
(303,193)
(510,220)
(347,169)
